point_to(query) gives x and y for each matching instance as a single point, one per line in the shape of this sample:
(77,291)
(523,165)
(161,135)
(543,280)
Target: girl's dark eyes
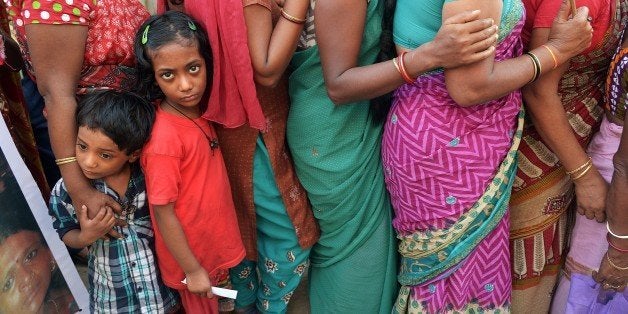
(166,75)
(195,69)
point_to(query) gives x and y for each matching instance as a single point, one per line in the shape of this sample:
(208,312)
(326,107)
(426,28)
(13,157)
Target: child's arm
(197,278)
(91,229)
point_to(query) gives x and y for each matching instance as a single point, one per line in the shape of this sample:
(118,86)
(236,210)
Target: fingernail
(475,11)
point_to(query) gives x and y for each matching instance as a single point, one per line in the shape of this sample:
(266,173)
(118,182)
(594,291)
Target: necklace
(213,142)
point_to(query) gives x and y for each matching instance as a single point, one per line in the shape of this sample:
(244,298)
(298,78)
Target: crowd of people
(410,157)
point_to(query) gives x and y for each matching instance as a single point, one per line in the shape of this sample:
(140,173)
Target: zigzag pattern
(439,157)
(483,278)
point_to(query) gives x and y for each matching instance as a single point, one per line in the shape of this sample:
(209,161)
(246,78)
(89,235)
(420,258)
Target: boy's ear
(134,155)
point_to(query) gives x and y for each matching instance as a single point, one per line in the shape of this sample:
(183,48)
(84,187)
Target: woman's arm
(197,279)
(495,79)
(57,56)
(339,29)
(617,212)
(271,48)
(546,110)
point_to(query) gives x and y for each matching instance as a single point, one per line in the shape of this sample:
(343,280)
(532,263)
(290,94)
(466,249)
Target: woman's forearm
(271,48)
(617,200)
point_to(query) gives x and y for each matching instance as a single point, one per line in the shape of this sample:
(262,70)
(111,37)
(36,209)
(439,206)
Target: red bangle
(402,69)
(608,239)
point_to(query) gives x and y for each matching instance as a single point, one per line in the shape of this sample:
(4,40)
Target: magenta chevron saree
(449,171)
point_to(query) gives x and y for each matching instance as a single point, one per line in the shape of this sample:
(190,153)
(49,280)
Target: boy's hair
(124,117)
(160,30)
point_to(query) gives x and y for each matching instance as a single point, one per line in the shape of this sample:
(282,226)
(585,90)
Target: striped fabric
(123,274)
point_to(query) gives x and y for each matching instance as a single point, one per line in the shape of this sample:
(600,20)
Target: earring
(53,265)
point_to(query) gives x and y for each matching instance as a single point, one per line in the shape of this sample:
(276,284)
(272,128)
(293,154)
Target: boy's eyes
(105,156)
(81,146)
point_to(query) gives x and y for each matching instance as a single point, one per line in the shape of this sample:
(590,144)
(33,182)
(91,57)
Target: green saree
(336,151)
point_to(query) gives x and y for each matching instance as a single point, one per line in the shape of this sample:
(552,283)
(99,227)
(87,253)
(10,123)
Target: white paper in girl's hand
(227,293)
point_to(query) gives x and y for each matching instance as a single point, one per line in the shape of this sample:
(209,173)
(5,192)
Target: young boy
(123,275)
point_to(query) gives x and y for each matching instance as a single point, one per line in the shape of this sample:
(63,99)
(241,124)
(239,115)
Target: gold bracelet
(63,161)
(291,18)
(582,173)
(608,258)
(584,165)
(552,54)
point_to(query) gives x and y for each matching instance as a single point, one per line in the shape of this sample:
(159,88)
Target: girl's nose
(185,84)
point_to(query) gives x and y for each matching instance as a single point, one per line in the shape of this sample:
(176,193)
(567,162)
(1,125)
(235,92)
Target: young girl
(196,231)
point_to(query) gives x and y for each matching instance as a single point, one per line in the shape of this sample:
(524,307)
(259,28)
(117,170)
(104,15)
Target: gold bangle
(584,165)
(63,161)
(552,54)
(291,18)
(582,173)
(608,258)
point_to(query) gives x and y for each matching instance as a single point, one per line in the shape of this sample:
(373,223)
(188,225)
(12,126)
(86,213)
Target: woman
(89,49)
(31,281)
(564,108)
(593,247)
(449,153)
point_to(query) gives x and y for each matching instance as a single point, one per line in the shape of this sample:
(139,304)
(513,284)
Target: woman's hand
(198,283)
(610,277)
(570,37)
(464,39)
(591,192)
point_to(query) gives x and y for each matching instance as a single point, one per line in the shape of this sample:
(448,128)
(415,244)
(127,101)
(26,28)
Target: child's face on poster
(26,267)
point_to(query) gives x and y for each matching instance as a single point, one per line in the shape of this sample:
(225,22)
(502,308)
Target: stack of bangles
(292,18)
(614,246)
(581,171)
(401,68)
(536,62)
(63,161)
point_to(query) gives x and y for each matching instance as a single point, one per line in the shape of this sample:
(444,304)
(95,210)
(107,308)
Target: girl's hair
(160,30)
(380,105)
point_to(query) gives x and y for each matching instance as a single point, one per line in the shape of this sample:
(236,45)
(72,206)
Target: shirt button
(132,264)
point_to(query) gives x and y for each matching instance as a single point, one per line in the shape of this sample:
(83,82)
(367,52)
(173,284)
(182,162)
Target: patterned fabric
(543,192)
(336,155)
(122,274)
(281,260)
(449,170)
(13,109)
(109,59)
(617,85)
